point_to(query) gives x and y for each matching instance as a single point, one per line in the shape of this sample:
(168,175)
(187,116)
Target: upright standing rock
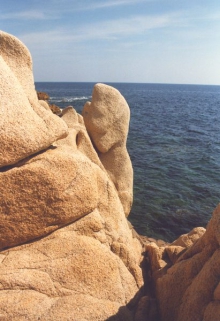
(107,121)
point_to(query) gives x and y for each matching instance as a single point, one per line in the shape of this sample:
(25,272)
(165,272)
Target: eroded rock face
(48,191)
(107,120)
(87,270)
(65,276)
(67,251)
(25,126)
(186,275)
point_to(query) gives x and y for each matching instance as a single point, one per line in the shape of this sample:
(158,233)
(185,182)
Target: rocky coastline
(68,251)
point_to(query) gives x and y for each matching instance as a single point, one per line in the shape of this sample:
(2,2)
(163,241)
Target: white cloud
(107,30)
(58,8)
(114,3)
(27,15)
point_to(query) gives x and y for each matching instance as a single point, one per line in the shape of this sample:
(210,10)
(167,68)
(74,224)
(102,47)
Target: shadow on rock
(143,306)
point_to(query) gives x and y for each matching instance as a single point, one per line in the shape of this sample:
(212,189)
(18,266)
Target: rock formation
(67,250)
(42,95)
(107,120)
(43,99)
(25,126)
(55,109)
(186,274)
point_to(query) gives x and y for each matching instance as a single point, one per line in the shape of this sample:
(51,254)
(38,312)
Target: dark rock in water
(55,109)
(42,96)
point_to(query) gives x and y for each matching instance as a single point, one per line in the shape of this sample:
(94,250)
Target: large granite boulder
(65,276)
(25,126)
(187,274)
(86,270)
(67,250)
(107,119)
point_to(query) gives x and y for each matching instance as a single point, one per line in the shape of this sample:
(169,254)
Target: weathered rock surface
(25,126)
(107,120)
(55,109)
(186,274)
(65,276)
(48,191)
(42,95)
(44,104)
(84,271)
(187,240)
(67,250)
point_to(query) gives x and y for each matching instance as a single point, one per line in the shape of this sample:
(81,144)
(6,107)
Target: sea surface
(174,145)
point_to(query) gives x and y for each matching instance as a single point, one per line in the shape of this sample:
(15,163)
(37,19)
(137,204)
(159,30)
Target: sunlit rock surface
(67,250)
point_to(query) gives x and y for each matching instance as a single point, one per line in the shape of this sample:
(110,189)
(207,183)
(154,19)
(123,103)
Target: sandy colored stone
(106,117)
(157,257)
(55,109)
(23,131)
(74,273)
(107,120)
(161,243)
(78,138)
(63,277)
(118,165)
(189,289)
(44,104)
(150,239)
(50,190)
(174,252)
(67,251)
(17,57)
(187,240)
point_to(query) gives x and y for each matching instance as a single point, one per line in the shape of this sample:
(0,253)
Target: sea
(174,145)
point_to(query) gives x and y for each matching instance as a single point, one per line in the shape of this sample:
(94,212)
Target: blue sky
(152,41)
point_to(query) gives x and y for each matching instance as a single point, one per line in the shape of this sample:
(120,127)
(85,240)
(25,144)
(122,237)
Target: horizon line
(127,82)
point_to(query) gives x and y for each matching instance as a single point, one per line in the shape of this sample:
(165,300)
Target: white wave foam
(68,99)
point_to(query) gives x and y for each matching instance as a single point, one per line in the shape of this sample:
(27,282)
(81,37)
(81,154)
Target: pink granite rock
(25,126)
(107,120)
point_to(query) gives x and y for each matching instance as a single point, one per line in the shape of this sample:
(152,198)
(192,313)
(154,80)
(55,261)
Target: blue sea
(174,145)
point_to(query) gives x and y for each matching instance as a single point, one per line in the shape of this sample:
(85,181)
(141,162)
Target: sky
(142,41)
